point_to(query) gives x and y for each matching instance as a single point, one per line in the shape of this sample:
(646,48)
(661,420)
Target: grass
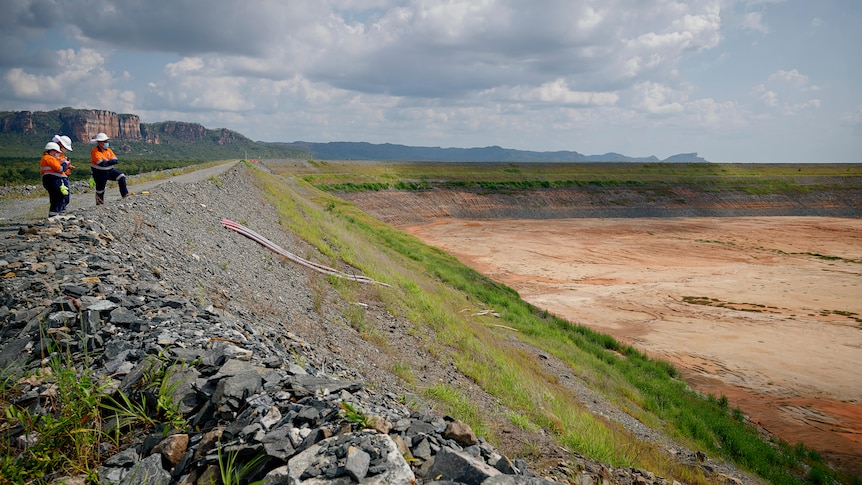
(63,435)
(137,172)
(455,403)
(431,287)
(233,470)
(755,179)
(78,423)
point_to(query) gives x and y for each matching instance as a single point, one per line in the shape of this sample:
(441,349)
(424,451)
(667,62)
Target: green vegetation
(351,414)
(80,421)
(755,179)
(17,171)
(230,472)
(65,439)
(433,290)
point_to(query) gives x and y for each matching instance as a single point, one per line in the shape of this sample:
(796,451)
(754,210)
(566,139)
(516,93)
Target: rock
(357,463)
(310,466)
(459,467)
(173,448)
(461,433)
(516,480)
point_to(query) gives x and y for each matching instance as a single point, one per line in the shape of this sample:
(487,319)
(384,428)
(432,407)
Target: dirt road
(766,311)
(17,210)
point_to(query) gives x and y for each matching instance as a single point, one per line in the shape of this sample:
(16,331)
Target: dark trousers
(68,197)
(55,198)
(102,176)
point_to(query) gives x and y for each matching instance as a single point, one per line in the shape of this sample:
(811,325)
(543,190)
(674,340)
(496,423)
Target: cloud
(410,48)
(543,74)
(788,92)
(792,78)
(557,92)
(80,80)
(754,21)
(724,116)
(655,98)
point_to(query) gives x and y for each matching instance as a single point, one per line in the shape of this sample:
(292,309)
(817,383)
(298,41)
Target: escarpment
(81,125)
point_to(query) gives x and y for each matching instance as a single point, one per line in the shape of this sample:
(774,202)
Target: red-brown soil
(742,306)
(764,310)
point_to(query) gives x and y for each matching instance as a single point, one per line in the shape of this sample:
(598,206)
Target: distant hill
(388,151)
(24,133)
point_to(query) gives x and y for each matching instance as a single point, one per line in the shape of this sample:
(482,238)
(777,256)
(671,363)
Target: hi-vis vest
(51,166)
(98,156)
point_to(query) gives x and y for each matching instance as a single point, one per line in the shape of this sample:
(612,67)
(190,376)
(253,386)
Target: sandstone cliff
(17,122)
(83,124)
(187,132)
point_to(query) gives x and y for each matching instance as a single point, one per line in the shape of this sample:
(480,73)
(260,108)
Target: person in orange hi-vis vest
(102,161)
(53,172)
(65,144)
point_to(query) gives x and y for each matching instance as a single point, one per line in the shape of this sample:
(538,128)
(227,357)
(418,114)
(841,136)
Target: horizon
(441,147)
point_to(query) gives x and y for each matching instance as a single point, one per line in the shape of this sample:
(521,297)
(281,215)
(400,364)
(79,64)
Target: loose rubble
(248,389)
(241,390)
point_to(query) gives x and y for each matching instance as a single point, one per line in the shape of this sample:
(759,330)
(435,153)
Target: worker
(102,161)
(53,172)
(65,144)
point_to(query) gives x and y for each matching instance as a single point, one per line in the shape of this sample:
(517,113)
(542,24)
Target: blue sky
(735,81)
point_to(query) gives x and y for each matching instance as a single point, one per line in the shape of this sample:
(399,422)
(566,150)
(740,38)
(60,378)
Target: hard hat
(52,146)
(63,140)
(100,137)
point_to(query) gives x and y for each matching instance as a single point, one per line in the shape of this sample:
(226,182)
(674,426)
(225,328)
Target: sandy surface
(748,308)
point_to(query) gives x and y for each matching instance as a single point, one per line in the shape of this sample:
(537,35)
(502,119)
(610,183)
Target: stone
(278,444)
(461,433)
(173,448)
(357,463)
(516,480)
(457,466)
(395,471)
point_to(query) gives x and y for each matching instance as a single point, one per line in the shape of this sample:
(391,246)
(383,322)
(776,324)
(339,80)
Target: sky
(733,80)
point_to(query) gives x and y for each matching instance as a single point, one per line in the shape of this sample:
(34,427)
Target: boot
(99,199)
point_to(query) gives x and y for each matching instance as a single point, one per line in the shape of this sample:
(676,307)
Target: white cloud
(184,67)
(655,98)
(754,21)
(791,78)
(718,116)
(558,92)
(29,87)
(766,96)
(788,92)
(81,79)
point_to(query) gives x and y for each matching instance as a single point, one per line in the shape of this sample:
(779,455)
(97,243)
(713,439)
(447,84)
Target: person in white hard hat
(102,161)
(53,172)
(65,144)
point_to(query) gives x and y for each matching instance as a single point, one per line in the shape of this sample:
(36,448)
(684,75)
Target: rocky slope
(402,208)
(259,348)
